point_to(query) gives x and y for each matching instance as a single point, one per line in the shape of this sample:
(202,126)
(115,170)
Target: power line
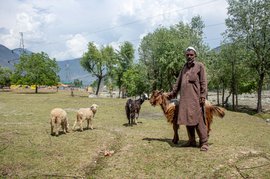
(150,17)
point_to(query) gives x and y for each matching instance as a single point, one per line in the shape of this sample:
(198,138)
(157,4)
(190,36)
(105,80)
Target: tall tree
(36,69)
(249,22)
(135,81)
(125,60)
(98,61)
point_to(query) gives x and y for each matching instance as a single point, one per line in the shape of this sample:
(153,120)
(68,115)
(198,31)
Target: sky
(63,28)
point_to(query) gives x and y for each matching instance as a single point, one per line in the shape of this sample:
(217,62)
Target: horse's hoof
(175,141)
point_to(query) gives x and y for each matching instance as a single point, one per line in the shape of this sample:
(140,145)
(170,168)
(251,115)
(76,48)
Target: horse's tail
(213,111)
(218,111)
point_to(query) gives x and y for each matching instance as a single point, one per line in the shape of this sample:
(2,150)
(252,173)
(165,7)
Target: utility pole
(21,41)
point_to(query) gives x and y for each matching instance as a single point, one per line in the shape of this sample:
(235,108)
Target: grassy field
(239,143)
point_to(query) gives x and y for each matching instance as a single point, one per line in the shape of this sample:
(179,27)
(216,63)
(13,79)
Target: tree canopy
(248,22)
(162,52)
(98,62)
(5,76)
(36,69)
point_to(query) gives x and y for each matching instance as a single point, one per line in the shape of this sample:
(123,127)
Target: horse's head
(156,98)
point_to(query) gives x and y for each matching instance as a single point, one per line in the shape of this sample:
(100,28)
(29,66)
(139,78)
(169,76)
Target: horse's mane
(168,107)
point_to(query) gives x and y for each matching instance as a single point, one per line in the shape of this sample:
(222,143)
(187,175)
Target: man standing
(192,84)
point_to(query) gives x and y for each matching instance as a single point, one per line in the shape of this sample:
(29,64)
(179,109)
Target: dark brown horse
(169,108)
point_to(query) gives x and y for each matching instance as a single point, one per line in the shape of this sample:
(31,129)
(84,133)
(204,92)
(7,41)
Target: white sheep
(94,109)
(82,115)
(59,119)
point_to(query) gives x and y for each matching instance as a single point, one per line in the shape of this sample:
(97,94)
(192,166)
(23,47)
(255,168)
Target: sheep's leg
(74,125)
(63,127)
(91,124)
(81,126)
(57,127)
(67,126)
(88,122)
(51,128)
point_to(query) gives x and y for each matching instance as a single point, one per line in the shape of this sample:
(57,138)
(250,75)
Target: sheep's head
(94,107)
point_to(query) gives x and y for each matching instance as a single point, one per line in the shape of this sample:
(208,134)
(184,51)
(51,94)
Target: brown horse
(169,109)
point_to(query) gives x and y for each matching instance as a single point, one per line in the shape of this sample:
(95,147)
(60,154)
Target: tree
(36,69)
(162,51)
(78,83)
(135,81)
(125,60)
(249,23)
(98,62)
(240,79)
(5,76)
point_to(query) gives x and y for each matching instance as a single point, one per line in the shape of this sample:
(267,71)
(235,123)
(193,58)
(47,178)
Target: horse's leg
(175,129)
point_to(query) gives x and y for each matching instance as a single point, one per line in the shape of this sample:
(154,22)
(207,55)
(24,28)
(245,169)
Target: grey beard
(190,62)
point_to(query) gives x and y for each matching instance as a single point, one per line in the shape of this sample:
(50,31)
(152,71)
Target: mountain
(7,57)
(20,51)
(72,69)
(217,49)
(69,69)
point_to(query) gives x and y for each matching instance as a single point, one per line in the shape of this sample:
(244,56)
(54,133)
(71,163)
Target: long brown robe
(192,84)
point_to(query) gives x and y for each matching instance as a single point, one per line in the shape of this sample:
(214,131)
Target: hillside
(7,57)
(69,69)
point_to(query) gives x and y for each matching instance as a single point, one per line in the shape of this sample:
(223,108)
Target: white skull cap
(191,48)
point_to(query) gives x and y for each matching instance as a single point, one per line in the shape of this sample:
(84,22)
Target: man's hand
(168,95)
(202,100)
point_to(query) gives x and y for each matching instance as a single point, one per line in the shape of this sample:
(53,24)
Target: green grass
(239,143)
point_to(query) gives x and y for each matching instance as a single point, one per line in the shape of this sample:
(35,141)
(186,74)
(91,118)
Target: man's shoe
(204,148)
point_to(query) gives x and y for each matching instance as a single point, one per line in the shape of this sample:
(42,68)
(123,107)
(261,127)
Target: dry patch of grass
(239,143)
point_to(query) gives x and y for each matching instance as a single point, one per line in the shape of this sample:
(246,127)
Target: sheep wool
(58,119)
(82,115)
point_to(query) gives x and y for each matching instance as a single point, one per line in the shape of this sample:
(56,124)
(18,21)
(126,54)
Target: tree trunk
(227,99)
(236,97)
(223,93)
(259,92)
(98,86)
(233,85)
(119,93)
(218,96)
(36,90)
(233,100)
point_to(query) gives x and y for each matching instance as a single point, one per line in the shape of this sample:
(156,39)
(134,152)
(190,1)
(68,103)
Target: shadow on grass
(59,134)
(169,141)
(130,125)
(84,129)
(243,109)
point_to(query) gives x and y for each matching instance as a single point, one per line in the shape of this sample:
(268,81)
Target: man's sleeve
(203,82)
(176,86)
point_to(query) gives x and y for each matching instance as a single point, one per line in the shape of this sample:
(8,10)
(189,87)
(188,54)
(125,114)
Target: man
(192,84)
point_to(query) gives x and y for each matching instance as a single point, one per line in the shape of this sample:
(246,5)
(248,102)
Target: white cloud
(76,45)
(62,28)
